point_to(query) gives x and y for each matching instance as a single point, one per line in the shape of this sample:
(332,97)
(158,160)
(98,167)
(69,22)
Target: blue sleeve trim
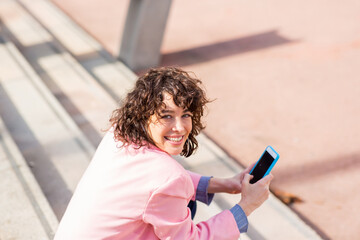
(240,218)
(201,192)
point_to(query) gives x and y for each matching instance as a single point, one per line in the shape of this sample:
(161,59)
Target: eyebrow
(166,111)
(171,111)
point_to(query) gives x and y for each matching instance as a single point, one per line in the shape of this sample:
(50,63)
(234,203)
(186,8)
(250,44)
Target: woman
(134,189)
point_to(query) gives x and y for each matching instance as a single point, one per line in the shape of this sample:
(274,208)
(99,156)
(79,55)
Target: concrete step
(75,87)
(25,212)
(113,75)
(49,140)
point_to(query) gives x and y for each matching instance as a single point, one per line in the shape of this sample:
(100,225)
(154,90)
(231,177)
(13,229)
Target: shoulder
(164,168)
(163,163)
(147,161)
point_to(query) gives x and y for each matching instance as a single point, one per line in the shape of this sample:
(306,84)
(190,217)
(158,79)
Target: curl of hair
(130,120)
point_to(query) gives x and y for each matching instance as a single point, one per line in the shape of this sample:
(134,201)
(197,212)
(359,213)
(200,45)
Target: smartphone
(264,164)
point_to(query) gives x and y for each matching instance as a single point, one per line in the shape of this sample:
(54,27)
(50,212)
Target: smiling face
(171,127)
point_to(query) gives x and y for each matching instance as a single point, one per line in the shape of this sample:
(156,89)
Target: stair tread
(48,138)
(22,202)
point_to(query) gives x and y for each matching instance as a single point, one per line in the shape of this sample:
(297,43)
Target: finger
(247,178)
(267,179)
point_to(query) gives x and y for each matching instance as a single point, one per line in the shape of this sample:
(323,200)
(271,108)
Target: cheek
(156,131)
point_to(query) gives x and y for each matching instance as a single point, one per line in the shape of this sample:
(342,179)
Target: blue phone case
(273,163)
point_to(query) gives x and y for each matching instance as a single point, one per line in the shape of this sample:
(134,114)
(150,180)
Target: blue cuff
(240,218)
(201,192)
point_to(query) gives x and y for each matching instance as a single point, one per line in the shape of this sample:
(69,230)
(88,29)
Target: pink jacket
(129,193)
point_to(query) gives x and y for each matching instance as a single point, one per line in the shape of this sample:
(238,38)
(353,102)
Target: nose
(179,125)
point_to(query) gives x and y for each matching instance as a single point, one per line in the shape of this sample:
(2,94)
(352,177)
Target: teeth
(174,139)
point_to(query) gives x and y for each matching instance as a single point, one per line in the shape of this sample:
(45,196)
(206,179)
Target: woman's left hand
(228,185)
(234,183)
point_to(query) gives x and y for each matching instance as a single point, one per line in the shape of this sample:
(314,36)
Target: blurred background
(284,73)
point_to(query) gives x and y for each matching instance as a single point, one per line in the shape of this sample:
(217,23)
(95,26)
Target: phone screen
(262,166)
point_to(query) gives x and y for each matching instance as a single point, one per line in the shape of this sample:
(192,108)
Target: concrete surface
(25,212)
(37,27)
(47,137)
(285,74)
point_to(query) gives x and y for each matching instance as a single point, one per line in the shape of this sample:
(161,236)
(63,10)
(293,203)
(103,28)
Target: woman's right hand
(253,195)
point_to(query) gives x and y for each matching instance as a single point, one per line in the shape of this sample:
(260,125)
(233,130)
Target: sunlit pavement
(283,74)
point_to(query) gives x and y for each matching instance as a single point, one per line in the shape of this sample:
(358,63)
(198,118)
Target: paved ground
(285,74)
(51,63)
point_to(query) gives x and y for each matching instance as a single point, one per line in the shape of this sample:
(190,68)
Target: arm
(201,184)
(167,212)
(252,195)
(201,188)
(228,185)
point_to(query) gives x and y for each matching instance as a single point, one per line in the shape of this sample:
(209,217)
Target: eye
(165,117)
(187,115)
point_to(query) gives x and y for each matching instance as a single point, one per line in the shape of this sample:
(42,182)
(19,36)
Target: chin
(174,151)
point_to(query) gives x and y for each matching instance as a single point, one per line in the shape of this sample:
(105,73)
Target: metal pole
(143,33)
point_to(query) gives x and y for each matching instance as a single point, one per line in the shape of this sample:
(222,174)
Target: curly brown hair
(131,119)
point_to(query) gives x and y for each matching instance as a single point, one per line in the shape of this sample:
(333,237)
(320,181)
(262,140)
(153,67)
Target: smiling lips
(175,140)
